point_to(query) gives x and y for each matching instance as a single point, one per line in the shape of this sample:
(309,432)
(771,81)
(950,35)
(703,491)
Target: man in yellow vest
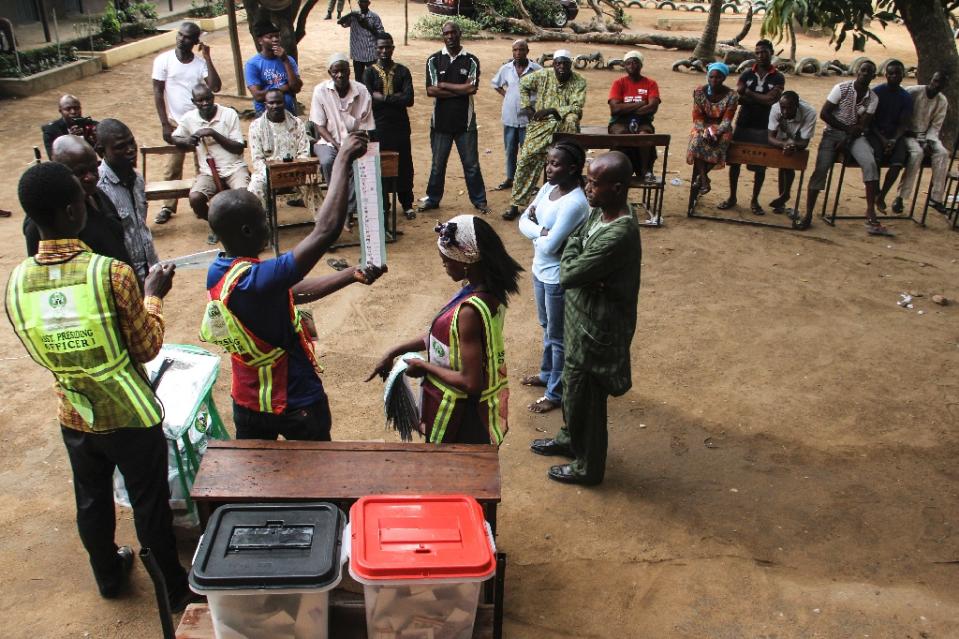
(81,316)
(252,310)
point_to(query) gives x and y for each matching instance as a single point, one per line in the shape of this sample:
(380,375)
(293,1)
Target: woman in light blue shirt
(559,207)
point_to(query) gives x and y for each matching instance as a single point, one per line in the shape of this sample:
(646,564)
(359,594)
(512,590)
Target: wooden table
(769,157)
(250,470)
(341,472)
(598,137)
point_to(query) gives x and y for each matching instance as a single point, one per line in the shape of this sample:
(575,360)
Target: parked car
(562,11)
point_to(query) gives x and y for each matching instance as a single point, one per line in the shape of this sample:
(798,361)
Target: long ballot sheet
(369,206)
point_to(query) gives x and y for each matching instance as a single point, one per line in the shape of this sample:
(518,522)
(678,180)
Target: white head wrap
(457,239)
(337,57)
(562,53)
(633,55)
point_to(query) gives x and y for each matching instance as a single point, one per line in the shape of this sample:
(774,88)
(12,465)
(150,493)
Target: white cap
(562,53)
(336,57)
(633,55)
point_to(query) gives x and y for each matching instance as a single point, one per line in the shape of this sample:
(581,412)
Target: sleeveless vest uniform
(260,369)
(66,317)
(449,415)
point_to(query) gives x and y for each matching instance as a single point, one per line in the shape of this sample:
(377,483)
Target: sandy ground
(783,467)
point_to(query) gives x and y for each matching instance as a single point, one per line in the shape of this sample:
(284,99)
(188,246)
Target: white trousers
(940,164)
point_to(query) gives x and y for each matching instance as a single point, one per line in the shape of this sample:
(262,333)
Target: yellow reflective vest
(65,315)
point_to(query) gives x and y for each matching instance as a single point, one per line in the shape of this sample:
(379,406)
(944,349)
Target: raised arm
(212,76)
(332,214)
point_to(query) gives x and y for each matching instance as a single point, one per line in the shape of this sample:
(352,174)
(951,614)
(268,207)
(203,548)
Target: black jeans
(305,424)
(141,455)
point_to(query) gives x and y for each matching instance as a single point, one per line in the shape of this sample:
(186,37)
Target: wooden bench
(166,189)
(771,158)
(598,137)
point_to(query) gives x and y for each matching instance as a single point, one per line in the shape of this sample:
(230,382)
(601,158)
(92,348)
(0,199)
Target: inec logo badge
(440,351)
(57,300)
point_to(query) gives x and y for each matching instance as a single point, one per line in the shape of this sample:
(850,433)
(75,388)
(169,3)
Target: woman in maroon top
(465,392)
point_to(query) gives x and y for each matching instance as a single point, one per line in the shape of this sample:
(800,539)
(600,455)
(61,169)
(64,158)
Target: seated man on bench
(277,135)
(848,110)
(887,131)
(792,123)
(215,133)
(929,108)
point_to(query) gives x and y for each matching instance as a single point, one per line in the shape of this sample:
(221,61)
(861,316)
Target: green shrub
(430,27)
(37,60)
(207,8)
(110,23)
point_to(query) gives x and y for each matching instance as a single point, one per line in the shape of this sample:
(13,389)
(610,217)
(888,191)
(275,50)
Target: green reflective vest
(494,396)
(65,316)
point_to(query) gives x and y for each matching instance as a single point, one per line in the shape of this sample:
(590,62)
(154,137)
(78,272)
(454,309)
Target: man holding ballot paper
(252,309)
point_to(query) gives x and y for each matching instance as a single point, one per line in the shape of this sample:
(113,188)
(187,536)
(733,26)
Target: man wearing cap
(340,106)
(175,73)
(271,68)
(452,77)
(633,102)
(364,26)
(506,83)
(553,101)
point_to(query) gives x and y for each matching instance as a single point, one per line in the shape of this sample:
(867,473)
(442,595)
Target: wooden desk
(341,472)
(598,137)
(766,156)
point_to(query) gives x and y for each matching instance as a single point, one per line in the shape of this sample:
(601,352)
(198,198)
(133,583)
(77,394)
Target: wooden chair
(950,193)
(771,158)
(166,189)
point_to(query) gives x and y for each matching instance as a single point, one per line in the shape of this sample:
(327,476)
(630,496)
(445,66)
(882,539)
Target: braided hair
(575,153)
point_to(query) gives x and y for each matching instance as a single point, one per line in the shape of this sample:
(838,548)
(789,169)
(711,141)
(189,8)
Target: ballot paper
(369,206)
(200,260)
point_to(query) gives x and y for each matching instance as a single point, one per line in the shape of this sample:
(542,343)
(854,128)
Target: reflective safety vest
(65,315)
(494,396)
(259,368)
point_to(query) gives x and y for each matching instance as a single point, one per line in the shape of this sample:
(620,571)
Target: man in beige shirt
(929,108)
(215,133)
(340,106)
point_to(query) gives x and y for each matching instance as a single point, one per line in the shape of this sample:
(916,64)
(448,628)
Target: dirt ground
(784,466)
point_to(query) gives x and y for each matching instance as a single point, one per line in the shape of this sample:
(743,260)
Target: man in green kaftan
(600,274)
(559,95)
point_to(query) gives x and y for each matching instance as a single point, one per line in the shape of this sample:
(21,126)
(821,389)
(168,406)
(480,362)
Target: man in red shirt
(633,101)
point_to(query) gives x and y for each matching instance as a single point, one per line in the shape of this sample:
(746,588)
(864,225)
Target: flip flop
(878,229)
(337,265)
(755,209)
(725,204)
(533,380)
(542,405)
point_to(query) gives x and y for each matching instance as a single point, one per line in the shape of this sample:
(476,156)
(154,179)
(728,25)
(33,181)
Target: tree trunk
(792,41)
(292,30)
(682,43)
(931,33)
(706,48)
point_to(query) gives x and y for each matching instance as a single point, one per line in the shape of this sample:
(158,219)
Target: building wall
(22,12)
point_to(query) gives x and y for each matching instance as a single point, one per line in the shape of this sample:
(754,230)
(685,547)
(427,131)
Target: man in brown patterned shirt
(81,316)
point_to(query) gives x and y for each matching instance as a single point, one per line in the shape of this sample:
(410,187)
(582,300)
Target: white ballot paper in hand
(195,260)
(369,206)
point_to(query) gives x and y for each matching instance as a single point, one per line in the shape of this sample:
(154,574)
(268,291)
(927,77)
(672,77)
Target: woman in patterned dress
(714,106)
